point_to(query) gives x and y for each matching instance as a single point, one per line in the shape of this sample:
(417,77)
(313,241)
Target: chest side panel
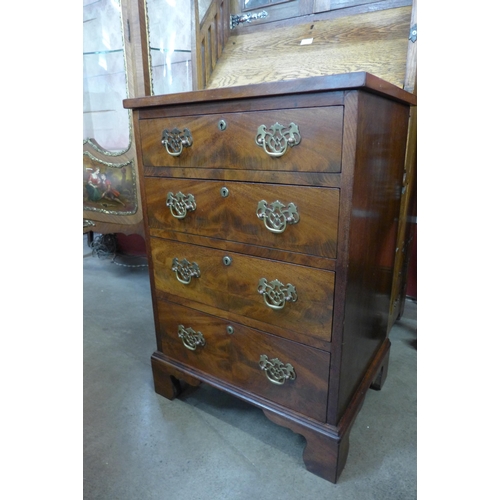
(377,181)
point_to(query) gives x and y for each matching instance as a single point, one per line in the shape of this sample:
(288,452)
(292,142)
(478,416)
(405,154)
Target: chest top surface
(347,81)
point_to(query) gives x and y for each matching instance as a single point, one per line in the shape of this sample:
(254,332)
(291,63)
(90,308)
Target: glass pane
(169,23)
(104,79)
(255,4)
(203,6)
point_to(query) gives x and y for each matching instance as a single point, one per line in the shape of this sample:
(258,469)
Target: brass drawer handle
(180,204)
(276,140)
(190,338)
(184,270)
(276,216)
(276,371)
(175,141)
(275,294)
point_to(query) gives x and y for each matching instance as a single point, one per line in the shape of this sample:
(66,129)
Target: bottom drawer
(288,373)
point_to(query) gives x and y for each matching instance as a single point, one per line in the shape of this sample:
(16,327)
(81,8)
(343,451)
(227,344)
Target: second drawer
(293,218)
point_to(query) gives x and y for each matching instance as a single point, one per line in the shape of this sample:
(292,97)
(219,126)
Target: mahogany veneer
(307,350)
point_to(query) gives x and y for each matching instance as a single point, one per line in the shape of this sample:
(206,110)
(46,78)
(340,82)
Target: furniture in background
(131,48)
(312,38)
(140,48)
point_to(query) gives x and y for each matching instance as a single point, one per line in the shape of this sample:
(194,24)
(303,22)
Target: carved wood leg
(325,454)
(379,380)
(167,379)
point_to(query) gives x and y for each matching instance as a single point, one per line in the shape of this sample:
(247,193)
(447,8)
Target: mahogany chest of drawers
(271,213)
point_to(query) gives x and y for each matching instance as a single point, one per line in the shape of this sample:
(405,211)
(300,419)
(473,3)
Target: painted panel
(109,188)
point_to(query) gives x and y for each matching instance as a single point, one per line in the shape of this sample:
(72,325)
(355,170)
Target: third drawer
(288,296)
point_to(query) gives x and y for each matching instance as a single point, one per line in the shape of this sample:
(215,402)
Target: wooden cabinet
(271,213)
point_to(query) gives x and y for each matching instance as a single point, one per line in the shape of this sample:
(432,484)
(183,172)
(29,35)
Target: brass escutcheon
(276,216)
(276,371)
(278,138)
(276,294)
(184,270)
(190,338)
(180,204)
(175,141)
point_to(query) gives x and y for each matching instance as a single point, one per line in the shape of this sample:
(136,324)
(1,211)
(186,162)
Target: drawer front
(292,218)
(302,139)
(208,286)
(288,296)
(282,371)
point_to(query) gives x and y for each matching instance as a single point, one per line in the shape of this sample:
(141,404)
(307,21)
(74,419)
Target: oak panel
(374,42)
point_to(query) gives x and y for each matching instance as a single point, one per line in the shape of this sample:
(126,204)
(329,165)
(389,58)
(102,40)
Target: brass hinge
(235,20)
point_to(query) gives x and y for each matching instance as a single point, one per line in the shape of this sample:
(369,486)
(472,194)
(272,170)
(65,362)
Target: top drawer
(302,139)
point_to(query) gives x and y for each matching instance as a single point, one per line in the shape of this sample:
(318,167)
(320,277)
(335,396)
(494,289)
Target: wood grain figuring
(235,358)
(210,288)
(277,330)
(234,288)
(318,151)
(376,201)
(271,177)
(375,42)
(411,57)
(255,97)
(222,102)
(208,36)
(310,315)
(338,259)
(254,250)
(234,217)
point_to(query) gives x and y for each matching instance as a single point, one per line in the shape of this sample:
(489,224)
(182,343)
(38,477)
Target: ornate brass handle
(276,371)
(190,338)
(275,294)
(276,140)
(184,270)
(175,141)
(180,204)
(276,216)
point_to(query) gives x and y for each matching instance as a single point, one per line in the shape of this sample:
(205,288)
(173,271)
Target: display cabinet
(130,48)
